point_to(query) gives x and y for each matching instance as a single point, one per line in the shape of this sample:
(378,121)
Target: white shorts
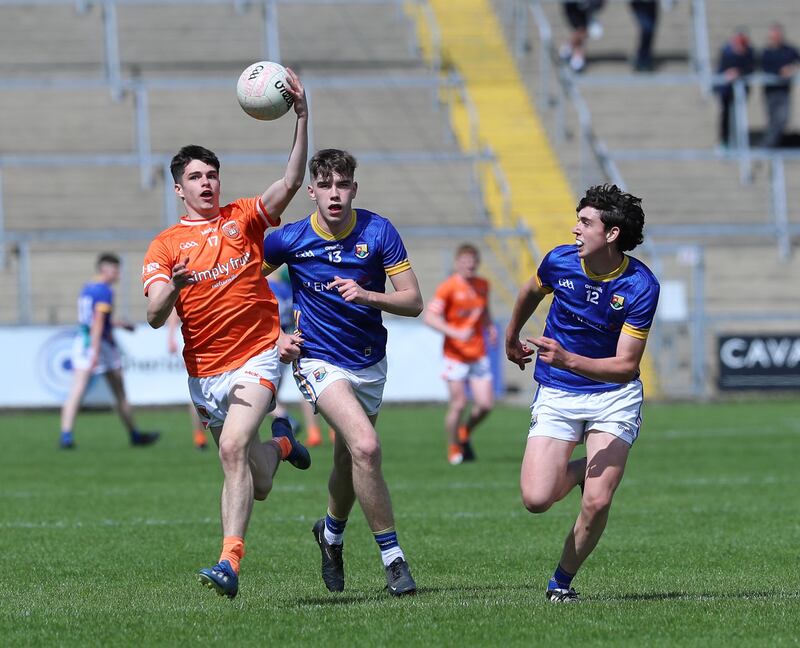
(108,359)
(314,376)
(458,371)
(569,416)
(209,394)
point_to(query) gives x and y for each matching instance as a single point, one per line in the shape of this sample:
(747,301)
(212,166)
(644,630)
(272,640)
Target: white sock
(391,554)
(333,538)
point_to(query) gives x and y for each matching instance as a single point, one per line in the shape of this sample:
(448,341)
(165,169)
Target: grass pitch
(100,545)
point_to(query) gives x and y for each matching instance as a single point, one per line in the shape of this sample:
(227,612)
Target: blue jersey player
(338,260)
(94,352)
(587,368)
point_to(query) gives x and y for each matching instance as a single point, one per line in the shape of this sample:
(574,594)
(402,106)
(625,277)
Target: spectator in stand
(580,17)
(779,59)
(646,14)
(736,60)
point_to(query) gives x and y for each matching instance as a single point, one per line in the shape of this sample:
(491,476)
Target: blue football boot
(299,456)
(220,578)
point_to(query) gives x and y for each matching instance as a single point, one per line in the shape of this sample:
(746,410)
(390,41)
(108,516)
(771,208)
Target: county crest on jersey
(589,312)
(346,334)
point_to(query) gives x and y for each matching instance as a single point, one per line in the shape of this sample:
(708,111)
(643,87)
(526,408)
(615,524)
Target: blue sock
(390,548)
(334,529)
(561,579)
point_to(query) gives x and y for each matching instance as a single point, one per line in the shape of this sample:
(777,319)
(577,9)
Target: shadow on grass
(701,596)
(461,591)
(483,591)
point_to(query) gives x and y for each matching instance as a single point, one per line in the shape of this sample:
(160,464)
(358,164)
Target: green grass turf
(100,545)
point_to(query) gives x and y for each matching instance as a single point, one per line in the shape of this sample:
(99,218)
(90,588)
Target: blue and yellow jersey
(345,334)
(589,312)
(95,296)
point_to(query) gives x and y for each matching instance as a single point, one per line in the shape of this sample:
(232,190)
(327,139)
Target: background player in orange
(95,352)
(199,437)
(208,267)
(460,310)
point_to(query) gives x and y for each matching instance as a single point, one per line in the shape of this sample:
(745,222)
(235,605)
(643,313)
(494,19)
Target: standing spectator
(736,60)
(780,59)
(460,310)
(95,353)
(580,17)
(646,13)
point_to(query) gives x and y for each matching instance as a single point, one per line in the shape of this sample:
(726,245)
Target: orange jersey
(462,304)
(228,312)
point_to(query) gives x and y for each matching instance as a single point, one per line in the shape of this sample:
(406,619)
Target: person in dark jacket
(779,59)
(736,60)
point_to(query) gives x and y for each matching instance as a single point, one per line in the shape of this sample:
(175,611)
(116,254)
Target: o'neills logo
(230,229)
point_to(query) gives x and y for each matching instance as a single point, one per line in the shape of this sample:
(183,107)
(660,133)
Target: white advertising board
(38,369)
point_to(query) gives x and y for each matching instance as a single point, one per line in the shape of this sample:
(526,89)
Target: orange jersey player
(460,310)
(208,267)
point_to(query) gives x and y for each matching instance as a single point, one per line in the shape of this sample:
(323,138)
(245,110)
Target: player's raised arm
(280,193)
(530,296)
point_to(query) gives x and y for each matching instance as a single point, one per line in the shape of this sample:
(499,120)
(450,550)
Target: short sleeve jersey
(589,312)
(228,312)
(462,303)
(348,335)
(95,297)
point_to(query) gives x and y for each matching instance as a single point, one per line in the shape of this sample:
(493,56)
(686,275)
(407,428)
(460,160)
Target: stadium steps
(50,41)
(78,121)
(59,270)
(473,42)
(79,197)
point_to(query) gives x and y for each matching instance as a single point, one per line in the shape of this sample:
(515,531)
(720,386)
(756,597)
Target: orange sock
(284,446)
(314,436)
(463,434)
(200,438)
(232,551)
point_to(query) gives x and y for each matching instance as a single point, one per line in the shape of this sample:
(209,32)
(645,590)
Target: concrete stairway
(51,42)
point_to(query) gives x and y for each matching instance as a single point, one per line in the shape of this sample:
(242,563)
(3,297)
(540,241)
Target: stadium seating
(694,198)
(83,139)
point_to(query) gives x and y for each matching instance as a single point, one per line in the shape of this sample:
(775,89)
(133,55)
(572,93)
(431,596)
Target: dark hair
(186,155)
(106,257)
(617,209)
(326,162)
(468,248)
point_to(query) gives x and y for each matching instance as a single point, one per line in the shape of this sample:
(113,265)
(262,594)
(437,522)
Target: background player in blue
(95,352)
(587,367)
(338,259)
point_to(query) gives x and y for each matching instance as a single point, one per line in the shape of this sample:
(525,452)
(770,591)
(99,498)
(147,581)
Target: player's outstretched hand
(298,92)
(520,354)
(550,351)
(350,290)
(289,346)
(181,276)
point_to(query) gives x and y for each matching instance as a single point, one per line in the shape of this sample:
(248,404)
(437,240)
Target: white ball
(263,92)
